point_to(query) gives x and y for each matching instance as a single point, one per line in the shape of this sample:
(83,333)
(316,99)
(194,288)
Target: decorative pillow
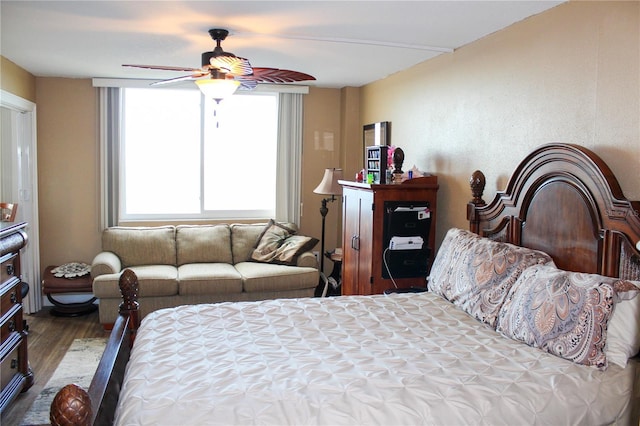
(278,244)
(273,236)
(476,273)
(563,313)
(623,333)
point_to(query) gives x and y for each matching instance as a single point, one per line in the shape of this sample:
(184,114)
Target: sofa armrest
(307,259)
(105,262)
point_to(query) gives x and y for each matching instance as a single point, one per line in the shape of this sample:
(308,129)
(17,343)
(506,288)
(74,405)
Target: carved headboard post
(477,183)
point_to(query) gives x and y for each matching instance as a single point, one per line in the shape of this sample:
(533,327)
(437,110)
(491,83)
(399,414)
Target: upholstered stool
(58,285)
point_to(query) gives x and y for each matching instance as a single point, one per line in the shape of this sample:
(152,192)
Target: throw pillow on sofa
(279,244)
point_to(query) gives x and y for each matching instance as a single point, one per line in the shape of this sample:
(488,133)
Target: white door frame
(25,190)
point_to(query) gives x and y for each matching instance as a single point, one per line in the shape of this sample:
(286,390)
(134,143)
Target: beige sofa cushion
(141,245)
(273,277)
(153,280)
(208,278)
(243,240)
(203,244)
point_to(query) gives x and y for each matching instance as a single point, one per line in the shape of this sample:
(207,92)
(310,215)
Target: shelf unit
(376,163)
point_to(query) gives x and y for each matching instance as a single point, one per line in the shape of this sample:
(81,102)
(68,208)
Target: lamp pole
(323,212)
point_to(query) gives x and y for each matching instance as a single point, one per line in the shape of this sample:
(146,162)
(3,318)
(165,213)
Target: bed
(486,345)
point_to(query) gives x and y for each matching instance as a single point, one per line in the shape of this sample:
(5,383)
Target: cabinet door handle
(12,326)
(355,243)
(13,297)
(10,269)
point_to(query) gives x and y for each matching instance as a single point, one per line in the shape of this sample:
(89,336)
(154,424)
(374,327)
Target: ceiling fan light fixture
(217,89)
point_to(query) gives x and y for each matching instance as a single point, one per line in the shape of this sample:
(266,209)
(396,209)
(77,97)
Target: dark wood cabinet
(369,216)
(14,365)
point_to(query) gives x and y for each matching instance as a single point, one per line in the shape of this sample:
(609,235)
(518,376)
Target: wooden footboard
(74,405)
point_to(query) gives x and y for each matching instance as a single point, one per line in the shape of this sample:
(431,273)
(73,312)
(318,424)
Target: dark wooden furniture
(365,214)
(562,199)
(73,405)
(15,372)
(60,285)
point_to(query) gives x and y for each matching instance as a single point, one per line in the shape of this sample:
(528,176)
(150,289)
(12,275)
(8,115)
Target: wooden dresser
(372,215)
(16,376)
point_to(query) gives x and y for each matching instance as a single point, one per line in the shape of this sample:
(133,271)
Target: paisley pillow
(278,244)
(563,313)
(477,273)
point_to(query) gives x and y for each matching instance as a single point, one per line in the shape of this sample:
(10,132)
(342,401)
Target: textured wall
(68,174)
(17,80)
(570,74)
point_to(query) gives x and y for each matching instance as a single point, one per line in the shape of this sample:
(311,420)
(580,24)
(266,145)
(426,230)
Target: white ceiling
(341,43)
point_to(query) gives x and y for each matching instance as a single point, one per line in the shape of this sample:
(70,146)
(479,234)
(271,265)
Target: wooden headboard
(564,200)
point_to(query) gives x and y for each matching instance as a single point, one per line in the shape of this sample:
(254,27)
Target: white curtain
(288,174)
(110,107)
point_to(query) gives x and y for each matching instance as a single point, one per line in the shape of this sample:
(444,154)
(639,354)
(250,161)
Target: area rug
(77,366)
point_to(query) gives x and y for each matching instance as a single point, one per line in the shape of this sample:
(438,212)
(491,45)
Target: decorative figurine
(398,159)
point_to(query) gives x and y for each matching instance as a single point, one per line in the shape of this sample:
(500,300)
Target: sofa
(191,264)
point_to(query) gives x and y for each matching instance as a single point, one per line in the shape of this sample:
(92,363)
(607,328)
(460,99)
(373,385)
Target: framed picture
(375,134)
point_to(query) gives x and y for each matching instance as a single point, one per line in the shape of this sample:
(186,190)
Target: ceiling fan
(227,72)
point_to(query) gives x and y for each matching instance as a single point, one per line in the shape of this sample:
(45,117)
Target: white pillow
(623,334)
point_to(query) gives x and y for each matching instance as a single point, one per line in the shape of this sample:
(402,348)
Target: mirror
(375,134)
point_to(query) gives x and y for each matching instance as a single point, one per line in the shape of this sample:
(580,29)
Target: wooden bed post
(75,406)
(129,306)
(477,183)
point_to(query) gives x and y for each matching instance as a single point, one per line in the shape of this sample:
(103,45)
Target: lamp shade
(217,89)
(329,184)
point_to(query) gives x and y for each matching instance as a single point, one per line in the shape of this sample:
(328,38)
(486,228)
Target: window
(183,156)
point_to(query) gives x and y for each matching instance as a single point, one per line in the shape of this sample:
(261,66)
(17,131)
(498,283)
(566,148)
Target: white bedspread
(389,360)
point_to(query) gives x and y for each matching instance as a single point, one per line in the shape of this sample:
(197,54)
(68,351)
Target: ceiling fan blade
(246,82)
(232,64)
(183,78)
(164,67)
(275,75)
(218,64)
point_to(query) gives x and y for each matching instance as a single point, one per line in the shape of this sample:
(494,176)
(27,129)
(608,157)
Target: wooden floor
(48,341)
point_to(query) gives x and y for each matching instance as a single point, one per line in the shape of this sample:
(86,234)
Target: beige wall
(322,146)
(571,74)
(68,173)
(17,80)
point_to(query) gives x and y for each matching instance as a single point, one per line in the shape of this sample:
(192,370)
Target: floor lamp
(328,186)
